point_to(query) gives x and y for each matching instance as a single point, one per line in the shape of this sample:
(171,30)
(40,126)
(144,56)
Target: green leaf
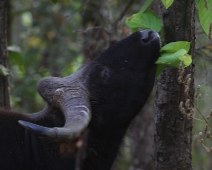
(159,70)
(187,59)
(145,20)
(171,59)
(4,70)
(205,15)
(145,5)
(14,48)
(175,46)
(26,19)
(134,29)
(174,59)
(197,2)
(54,1)
(167,3)
(15,57)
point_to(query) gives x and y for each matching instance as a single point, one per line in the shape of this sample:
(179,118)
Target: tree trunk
(173,130)
(4,79)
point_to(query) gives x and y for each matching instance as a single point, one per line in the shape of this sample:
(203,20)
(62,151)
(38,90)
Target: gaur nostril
(146,35)
(145,39)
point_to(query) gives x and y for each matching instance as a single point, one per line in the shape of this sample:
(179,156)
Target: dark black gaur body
(23,150)
(87,113)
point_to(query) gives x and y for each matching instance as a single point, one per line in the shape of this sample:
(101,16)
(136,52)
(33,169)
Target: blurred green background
(47,39)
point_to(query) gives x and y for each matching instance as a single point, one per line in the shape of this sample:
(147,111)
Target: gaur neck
(100,149)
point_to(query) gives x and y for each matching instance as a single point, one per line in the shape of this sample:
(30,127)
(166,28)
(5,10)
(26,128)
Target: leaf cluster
(171,54)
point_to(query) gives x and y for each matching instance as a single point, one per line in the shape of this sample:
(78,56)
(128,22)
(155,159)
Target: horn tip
(23,123)
(32,127)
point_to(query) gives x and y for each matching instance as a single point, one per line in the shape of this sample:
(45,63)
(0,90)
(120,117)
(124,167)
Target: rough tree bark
(4,79)
(173,131)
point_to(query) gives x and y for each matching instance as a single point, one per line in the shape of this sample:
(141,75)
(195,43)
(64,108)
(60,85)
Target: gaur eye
(105,74)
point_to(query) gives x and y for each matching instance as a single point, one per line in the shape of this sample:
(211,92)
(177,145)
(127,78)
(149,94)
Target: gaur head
(104,95)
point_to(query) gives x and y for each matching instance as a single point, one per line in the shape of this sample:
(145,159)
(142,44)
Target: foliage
(54,1)
(15,57)
(205,16)
(171,54)
(171,57)
(145,6)
(204,11)
(167,3)
(145,20)
(49,41)
(44,42)
(174,53)
(4,70)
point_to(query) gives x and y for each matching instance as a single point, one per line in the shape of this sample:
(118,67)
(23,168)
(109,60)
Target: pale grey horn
(73,102)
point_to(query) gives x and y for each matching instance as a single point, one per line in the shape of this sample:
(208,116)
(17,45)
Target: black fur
(22,150)
(119,85)
(119,82)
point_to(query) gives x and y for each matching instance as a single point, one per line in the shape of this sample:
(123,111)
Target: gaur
(86,114)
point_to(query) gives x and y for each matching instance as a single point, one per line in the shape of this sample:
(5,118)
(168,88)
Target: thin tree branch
(91,28)
(115,23)
(124,11)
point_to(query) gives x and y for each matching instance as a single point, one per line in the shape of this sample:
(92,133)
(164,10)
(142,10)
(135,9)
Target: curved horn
(74,103)
(39,115)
